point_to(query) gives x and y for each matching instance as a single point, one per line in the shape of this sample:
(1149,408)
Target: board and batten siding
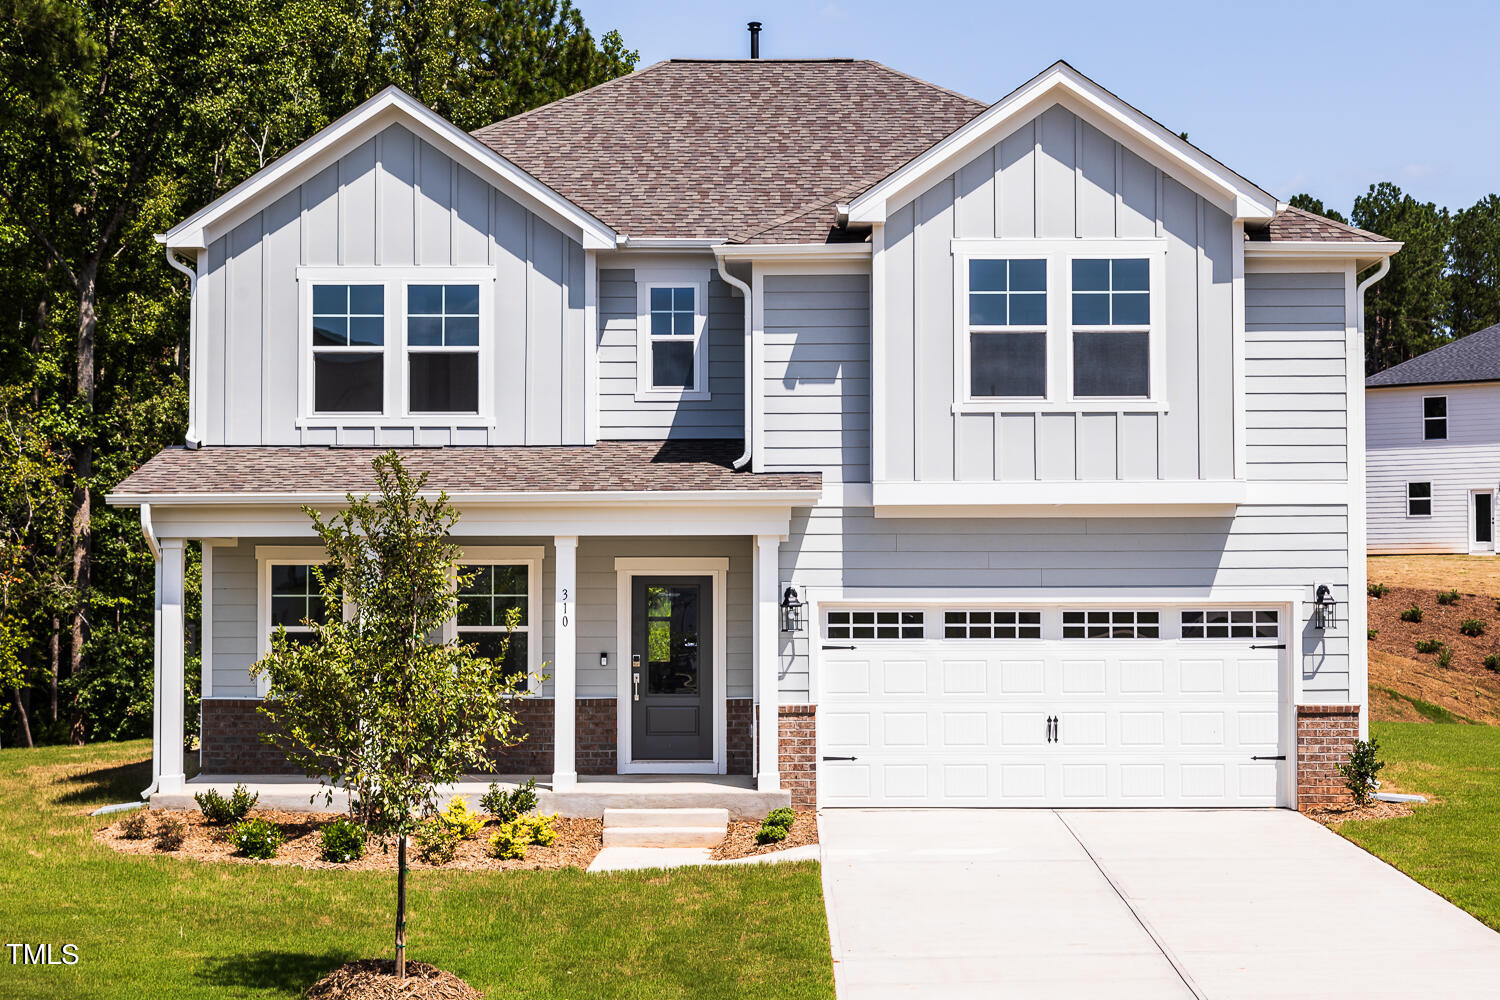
(1296,396)
(1285,547)
(393,201)
(1396,454)
(817,375)
(1057,177)
(621,415)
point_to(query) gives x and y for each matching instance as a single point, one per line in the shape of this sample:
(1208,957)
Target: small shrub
(781,817)
(342,841)
(510,840)
(257,838)
(768,834)
(1377,590)
(1361,771)
(1428,645)
(1445,658)
(507,805)
(460,818)
(1412,614)
(221,811)
(1473,627)
(1448,597)
(539,829)
(133,826)
(1492,662)
(1373,632)
(170,833)
(437,842)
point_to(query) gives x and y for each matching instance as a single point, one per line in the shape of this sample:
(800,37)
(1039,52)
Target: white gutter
(750,372)
(191,438)
(150,532)
(1359,293)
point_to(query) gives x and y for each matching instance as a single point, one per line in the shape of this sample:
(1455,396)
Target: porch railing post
(767,653)
(565,664)
(170,590)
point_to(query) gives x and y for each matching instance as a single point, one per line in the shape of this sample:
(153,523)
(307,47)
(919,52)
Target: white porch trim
(565,663)
(767,655)
(170,658)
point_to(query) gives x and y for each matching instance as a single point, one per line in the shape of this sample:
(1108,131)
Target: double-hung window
(348,348)
(295,600)
(442,344)
(1434,418)
(1007,328)
(493,583)
(1418,499)
(1111,324)
(671,346)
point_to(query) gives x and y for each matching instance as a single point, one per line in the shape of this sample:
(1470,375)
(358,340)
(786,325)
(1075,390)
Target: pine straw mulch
(739,842)
(375,979)
(1440,622)
(578,840)
(1343,813)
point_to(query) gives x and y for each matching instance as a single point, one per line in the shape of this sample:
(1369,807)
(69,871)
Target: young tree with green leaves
(376,704)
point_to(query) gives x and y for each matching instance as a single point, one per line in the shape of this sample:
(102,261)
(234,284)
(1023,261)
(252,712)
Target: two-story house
(1433,438)
(949,454)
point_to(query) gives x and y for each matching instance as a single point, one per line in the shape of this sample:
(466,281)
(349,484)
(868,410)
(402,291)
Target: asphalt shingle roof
(1300,225)
(610,466)
(1475,358)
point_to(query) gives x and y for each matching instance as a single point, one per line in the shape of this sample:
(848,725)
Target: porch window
(671,348)
(295,601)
(348,345)
(487,594)
(442,342)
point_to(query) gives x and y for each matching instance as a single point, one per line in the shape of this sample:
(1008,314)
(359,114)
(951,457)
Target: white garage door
(995,706)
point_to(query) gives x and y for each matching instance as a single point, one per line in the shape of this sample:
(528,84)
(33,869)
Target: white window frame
(944,625)
(395,409)
(645,280)
(1135,623)
(532,557)
(267,556)
(1229,626)
(924,610)
(1426,420)
(1059,255)
(1429,498)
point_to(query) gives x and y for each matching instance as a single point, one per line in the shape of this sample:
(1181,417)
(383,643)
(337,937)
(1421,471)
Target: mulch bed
(1438,622)
(578,840)
(739,842)
(375,979)
(1334,815)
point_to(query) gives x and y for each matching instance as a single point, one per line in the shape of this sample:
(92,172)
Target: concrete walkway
(1036,903)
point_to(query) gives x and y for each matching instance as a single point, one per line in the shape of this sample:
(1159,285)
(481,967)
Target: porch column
(767,659)
(565,663)
(170,589)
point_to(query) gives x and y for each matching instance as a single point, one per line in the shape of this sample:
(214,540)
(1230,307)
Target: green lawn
(159,927)
(1449,844)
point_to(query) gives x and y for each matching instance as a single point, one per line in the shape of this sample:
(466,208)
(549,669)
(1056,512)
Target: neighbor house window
(442,343)
(1111,324)
(895,623)
(1435,418)
(1007,314)
(1104,624)
(348,346)
(671,349)
(486,596)
(1418,499)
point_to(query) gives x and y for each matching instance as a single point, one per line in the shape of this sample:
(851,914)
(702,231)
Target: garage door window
(1231,623)
(1111,624)
(893,624)
(989,624)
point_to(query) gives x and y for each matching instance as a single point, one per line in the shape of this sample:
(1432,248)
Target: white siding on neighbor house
(1282,547)
(394,201)
(621,415)
(1296,393)
(1397,454)
(817,375)
(1058,177)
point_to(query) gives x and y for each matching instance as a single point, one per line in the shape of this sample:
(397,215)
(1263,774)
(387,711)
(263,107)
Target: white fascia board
(1322,249)
(1062,84)
(1075,499)
(388,107)
(693,498)
(770,252)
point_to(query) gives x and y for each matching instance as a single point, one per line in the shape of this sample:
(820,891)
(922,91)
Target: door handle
(1057,729)
(1051,722)
(635,676)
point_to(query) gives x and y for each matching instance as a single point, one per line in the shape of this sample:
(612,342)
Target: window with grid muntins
(348,343)
(1109,624)
(485,601)
(296,600)
(442,339)
(1231,623)
(895,623)
(992,624)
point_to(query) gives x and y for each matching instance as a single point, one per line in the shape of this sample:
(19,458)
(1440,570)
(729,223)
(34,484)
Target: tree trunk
(81,532)
(401,908)
(25,721)
(54,654)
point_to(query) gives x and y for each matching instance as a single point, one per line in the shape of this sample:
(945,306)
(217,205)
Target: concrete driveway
(1037,903)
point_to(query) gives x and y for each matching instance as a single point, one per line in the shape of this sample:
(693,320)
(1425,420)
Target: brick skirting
(798,754)
(1325,737)
(739,739)
(230,739)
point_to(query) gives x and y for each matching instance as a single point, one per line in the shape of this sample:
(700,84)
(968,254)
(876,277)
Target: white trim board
(626,570)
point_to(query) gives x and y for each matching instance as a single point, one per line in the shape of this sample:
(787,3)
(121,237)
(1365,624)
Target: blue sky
(1312,96)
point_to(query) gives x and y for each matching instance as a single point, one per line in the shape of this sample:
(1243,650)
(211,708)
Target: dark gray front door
(671,683)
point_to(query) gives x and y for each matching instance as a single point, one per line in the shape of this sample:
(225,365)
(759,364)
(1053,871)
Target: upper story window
(1418,499)
(671,349)
(400,344)
(1434,418)
(1059,324)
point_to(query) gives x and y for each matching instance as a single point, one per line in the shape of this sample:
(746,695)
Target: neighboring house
(1039,412)
(1433,437)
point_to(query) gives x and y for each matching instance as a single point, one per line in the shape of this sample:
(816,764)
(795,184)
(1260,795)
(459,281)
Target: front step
(665,827)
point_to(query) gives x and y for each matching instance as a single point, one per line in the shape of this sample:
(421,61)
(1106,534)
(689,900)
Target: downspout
(149,531)
(191,438)
(1380,272)
(1359,305)
(730,279)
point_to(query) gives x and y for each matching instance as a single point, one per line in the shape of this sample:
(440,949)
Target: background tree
(1406,313)
(1474,280)
(1308,203)
(373,704)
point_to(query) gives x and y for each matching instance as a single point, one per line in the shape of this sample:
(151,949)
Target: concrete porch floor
(588,799)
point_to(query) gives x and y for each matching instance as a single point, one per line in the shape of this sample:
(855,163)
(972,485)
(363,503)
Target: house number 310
(563,596)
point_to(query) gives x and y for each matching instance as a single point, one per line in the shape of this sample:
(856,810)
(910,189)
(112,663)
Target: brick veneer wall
(1325,736)
(230,740)
(798,750)
(740,738)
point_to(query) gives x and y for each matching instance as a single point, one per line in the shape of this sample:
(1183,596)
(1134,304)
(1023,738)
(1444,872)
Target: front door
(671,669)
(1484,522)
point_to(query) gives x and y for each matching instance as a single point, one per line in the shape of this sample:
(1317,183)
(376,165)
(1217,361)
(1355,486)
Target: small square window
(1419,499)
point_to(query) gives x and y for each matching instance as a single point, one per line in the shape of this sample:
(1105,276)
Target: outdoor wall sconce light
(1325,609)
(793,611)
(603,659)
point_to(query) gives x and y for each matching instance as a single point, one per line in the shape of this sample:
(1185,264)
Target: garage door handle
(838,647)
(1279,645)
(1280,756)
(841,758)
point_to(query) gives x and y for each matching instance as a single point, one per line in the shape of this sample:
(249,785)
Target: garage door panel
(964,677)
(1021,677)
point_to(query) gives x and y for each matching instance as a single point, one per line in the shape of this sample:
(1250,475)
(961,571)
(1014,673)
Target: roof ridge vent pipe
(744,289)
(192,438)
(754,27)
